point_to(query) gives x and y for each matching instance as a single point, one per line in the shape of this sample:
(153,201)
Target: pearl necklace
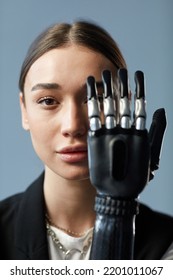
(67,253)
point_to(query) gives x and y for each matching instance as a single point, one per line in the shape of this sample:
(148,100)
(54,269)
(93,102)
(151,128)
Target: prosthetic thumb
(156,134)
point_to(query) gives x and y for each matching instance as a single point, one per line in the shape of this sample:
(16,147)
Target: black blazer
(23,233)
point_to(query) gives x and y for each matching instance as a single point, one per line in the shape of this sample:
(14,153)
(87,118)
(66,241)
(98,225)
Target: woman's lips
(73,154)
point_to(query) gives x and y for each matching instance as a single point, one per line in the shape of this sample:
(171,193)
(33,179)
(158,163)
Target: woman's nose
(75,121)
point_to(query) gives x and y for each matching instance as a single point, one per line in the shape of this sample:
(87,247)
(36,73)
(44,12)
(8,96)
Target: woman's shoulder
(154,233)
(148,215)
(10,205)
(10,202)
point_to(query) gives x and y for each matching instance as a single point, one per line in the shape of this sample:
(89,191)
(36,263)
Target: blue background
(144,32)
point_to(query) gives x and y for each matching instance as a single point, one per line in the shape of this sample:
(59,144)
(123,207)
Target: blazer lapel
(31,237)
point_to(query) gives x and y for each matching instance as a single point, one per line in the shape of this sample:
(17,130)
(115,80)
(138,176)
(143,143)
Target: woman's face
(55,109)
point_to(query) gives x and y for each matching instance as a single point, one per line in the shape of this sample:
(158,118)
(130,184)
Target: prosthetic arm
(122,158)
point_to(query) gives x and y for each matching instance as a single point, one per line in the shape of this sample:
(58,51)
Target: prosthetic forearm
(122,158)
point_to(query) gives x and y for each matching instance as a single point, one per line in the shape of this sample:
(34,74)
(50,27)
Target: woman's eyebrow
(50,86)
(45,86)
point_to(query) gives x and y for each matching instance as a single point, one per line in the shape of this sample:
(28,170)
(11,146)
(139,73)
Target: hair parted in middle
(81,33)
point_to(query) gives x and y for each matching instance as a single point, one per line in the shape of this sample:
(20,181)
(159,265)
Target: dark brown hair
(63,34)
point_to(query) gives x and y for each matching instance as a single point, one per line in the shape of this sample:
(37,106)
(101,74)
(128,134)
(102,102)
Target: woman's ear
(24,116)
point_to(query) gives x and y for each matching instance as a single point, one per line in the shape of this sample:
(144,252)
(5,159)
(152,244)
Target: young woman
(54,217)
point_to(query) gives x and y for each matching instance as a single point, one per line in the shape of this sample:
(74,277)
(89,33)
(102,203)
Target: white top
(73,245)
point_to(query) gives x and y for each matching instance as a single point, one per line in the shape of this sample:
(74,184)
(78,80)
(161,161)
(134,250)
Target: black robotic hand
(122,153)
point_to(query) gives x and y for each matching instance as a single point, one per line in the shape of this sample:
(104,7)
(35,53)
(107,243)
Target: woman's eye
(47,101)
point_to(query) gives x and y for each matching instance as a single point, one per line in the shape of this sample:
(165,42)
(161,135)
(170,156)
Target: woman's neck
(69,203)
